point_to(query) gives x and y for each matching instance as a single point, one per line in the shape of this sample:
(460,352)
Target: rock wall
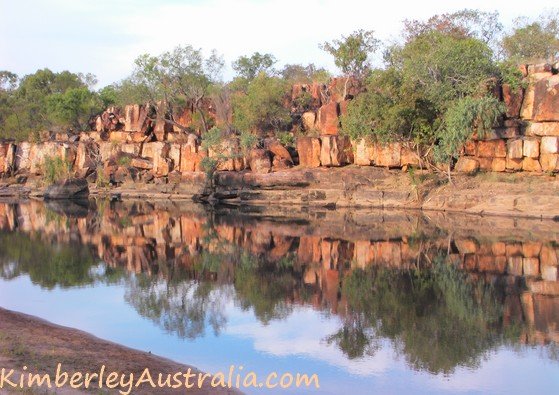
(137,145)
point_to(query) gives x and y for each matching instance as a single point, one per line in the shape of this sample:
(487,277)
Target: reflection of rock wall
(323,250)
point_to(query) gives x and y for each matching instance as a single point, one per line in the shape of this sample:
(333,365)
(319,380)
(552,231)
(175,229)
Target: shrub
(56,169)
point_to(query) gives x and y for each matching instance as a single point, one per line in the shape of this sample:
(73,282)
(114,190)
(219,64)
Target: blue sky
(105,36)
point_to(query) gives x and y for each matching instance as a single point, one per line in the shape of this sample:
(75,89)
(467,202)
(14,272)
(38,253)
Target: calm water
(379,302)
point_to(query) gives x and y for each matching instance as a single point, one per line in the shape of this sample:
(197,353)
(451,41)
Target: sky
(105,36)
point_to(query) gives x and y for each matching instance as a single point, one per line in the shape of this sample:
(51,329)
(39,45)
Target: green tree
(299,74)
(248,67)
(74,107)
(352,54)
(262,107)
(534,41)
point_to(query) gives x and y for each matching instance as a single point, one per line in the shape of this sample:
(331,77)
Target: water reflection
(443,290)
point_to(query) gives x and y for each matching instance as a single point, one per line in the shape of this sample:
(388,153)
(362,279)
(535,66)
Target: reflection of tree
(48,264)
(179,305)
(264,286)
(436,318)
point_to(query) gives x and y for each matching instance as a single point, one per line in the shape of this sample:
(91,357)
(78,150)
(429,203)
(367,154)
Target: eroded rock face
(388,155)
(309,151)
(546,99)
(335,151)
(7,157)
(364,152)
(278,151)
(513,100)
(328,120)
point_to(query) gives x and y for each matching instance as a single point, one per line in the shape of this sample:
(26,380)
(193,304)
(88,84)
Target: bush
(56,169)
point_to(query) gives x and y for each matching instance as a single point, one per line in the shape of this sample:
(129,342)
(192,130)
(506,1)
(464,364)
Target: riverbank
(500,194)
(40,345)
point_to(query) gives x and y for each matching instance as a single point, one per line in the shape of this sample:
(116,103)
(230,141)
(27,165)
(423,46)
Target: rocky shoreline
(515,195)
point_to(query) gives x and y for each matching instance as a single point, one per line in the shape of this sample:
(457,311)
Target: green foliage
(263,107)
(461,120)
(304,101)
(434,90)
(351,53)
(56,169)
(511,74)
(249,67)
(299,74)
(534,41)
(212,138)
(247,140)
(124,160)
(45,100)
(286,139)
(74,107)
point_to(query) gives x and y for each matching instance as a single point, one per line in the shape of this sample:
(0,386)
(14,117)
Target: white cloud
(104,36)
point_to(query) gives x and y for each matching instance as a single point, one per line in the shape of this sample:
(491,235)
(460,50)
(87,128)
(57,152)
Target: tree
(74,107)
(351,53)
(262,107)
(248,67)
(297,73)
(484,26)
(534,41)
(182,76)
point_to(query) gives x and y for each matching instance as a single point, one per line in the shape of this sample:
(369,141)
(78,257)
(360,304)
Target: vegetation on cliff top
(434,87)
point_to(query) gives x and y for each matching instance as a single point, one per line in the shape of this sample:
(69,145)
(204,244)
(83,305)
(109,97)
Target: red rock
(515,149)
(190,161)
(278,150)
(549,162)
(7,157)
(530,164)
(308,119)
(335,151)
(491,149)
(259,161)
(531,267)
(499,164)
(470,148)
(132,118)
(466,165)
(531,148)
(343,107)
(485,164)
(546,99)
(183,118)
(118,136)
(141,163)
(513,100)
(514,164)
(388,155)
(228,155)
(22,162)
(543,129)
(328,121)
(550,145)
(162,129)
(337,86)
(364,152)
(408,157)
(539,68)
(308,149)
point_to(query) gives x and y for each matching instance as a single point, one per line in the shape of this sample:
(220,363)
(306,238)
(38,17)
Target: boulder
(546,99)
(74,188)
(531,148)
(466,165)
(364,152)
(162,129)
(550,145)
(308,120)
(388,155)
(308,149)
(498,164)
(531,164)
(542,129)
(118,136)
(491,149)
(328,118)
(335,151)
(515,149)
(514,164)
(132,115)
(228,155)
(259,161)
(513,100)
(549,162)
(278,150)
(141,163)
